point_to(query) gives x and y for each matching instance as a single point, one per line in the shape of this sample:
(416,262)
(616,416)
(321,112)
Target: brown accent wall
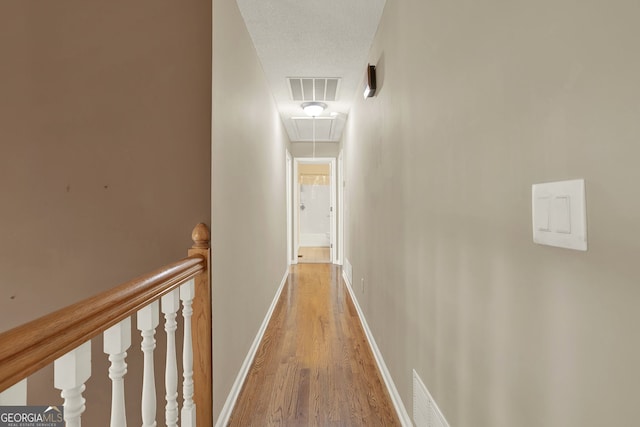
(104,151)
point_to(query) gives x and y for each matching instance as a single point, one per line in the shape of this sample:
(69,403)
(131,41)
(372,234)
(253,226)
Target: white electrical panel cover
(560,214)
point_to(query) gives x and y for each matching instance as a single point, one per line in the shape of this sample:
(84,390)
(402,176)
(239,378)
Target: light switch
(542,208)
(559,214)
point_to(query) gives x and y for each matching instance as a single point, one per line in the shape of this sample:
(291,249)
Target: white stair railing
(187,293)
(170,306)
(70,373)
(148,319)
(15,395)
(117,340)
(54,338)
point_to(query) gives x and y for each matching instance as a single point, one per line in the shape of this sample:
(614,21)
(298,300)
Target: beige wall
(104,155)
(249,205)
(477,101)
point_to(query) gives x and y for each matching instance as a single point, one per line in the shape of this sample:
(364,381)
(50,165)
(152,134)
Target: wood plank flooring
(313,254)
(314,366)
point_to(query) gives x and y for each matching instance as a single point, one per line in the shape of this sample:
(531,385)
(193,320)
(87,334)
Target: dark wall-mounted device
(370,88)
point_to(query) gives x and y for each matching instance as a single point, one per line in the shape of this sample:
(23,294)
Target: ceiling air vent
(324,128)
(313,89)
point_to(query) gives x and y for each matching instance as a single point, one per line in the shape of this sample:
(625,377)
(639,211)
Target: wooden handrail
(29,347)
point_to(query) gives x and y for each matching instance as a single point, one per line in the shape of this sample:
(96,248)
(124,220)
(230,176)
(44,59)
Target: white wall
(477,101)
(248,197)
(315,224)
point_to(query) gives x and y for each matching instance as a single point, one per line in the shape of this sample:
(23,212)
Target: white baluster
(148,319)
(117,340)
(16,395)
(70,372)
(170,304)
(187,292)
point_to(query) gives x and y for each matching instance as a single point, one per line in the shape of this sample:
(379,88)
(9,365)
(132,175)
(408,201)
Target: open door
(314,210)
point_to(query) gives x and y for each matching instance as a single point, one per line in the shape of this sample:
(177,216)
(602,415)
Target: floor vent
(313,88)
(425,411)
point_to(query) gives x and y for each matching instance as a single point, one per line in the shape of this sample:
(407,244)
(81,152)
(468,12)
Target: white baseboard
(386,375)
(225,414)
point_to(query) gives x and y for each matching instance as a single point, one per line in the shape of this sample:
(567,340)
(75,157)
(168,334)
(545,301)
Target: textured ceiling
(311,38)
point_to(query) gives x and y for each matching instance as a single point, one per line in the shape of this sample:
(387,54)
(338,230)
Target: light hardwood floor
(314,366)
(307,255)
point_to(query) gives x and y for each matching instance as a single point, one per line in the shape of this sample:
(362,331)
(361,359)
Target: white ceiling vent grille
(313,89)
(324,128)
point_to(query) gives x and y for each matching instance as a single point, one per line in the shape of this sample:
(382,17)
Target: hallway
(314,366)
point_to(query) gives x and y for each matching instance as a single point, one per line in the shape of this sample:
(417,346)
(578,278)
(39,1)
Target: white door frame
(339,258)
(289,183)
(296,203)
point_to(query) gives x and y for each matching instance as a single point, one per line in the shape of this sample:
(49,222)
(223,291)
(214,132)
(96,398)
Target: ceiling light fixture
(313,109)
(370,88)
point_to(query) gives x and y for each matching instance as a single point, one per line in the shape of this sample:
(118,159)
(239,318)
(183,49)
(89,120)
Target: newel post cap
(201,236)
